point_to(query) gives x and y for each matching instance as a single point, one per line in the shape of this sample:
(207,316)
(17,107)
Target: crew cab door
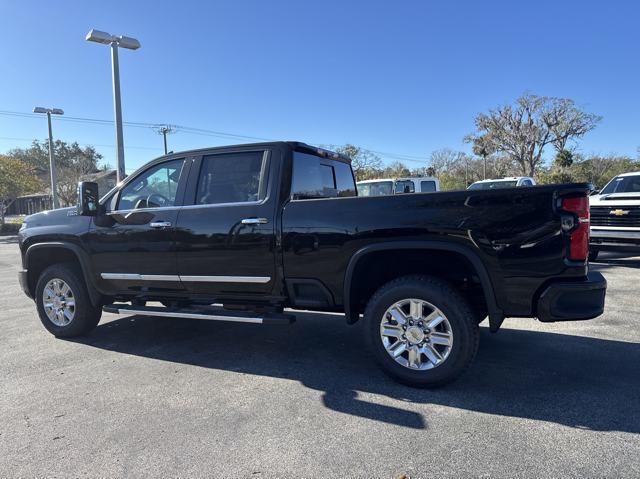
(132,247)
(225,237)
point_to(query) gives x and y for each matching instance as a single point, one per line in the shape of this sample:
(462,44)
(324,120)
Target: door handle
(160,224)
(254,221)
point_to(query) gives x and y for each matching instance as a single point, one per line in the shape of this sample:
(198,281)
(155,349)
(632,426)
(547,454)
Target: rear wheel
(63,302)
(421,331)
(593,254)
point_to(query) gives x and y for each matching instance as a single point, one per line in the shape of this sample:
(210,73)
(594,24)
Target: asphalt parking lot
(152,397)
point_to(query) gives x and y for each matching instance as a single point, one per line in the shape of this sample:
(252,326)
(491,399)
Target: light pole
(115,42)
(52,165)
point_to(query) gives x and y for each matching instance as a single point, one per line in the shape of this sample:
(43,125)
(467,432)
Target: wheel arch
(496,315)
(40,256)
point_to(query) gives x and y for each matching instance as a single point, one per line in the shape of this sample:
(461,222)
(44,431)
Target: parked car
(615,216)
(389,186)
(508,182)
(263,227)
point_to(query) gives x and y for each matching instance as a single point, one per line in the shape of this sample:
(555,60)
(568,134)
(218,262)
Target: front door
(225,237)
(133,248)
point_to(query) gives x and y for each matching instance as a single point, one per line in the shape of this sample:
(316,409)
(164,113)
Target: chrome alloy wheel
(59,302)
(416,334)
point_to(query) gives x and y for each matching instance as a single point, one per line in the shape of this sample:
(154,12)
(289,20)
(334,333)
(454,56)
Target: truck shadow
(570,380)
(608,260)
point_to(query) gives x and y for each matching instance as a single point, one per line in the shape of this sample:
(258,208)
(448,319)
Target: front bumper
(24,282)
(608,239)
(573,301)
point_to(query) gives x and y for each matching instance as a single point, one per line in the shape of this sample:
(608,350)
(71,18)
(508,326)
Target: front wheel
(421,331)
(63,302)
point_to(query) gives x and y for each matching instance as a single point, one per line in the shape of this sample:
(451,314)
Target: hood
(615,199)
(55,223)
(51,217)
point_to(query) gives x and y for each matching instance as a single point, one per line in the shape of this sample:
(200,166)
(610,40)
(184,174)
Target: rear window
(377,188)
(405,186)
(493,185)
(315,177)
(427,186)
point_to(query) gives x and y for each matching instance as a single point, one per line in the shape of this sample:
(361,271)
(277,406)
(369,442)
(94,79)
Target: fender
(94,294)
(496,315)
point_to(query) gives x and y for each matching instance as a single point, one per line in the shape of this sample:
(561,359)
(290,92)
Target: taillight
(578,236)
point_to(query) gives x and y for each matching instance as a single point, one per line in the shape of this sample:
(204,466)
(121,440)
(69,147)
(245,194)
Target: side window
(153,188)
(526,183)
(315,177)
(405,186)
(345,183)
(427,186)
(232,178)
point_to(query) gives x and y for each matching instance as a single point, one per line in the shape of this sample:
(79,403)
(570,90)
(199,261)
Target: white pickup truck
(398,186)
(615,216)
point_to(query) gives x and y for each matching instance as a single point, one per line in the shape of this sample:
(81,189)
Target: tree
(366,165)
(16,179)
(72,163)
(397,169)
(523,130)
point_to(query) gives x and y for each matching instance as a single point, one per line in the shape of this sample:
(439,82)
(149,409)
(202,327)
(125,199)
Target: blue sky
(405,77)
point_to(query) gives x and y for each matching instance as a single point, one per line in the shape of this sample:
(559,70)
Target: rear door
(225,235)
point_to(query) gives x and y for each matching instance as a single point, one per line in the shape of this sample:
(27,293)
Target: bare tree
(523,130)
(365,164)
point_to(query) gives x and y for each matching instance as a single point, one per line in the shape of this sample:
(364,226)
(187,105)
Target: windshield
(379,188)
(493,185)
(622,184)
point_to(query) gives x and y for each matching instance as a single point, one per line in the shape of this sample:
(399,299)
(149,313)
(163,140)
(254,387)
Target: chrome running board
(210,313)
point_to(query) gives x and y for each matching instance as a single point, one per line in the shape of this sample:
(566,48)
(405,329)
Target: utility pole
(164,131)
(52,163)
(484,166)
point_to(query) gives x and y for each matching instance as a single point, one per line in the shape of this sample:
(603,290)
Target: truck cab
(615,216)
(506,182)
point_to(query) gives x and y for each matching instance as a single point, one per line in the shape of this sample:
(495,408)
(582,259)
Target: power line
(199,132)
(154,148)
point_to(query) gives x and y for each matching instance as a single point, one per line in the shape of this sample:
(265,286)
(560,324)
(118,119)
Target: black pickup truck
(240,233)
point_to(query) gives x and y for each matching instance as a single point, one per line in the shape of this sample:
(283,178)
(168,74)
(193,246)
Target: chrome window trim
(189,207)
(188,278)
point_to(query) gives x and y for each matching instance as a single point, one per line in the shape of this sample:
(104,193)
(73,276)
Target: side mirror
(87,198)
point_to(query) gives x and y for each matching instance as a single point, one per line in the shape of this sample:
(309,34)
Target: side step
(207,312)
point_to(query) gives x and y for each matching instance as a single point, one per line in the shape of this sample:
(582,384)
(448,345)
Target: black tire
(86,316)
(463,322)
(593,254)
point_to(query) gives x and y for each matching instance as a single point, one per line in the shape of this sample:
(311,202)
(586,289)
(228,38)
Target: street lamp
(115,42)
(52,167)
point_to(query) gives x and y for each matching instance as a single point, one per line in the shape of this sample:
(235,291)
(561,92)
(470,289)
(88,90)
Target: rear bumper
(24,283)
(573,301)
